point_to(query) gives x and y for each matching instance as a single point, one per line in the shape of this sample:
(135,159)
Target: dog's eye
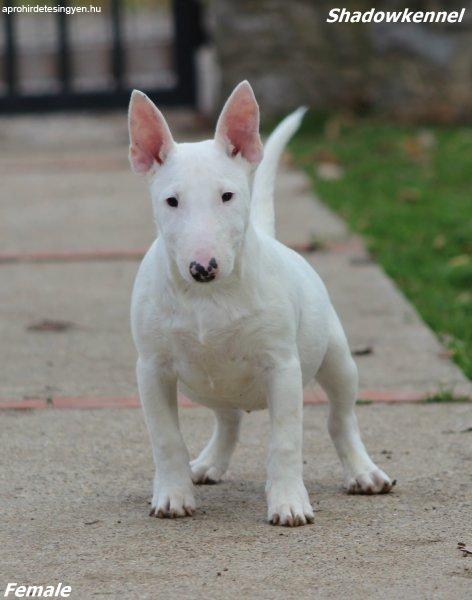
(172,201)
(226,197)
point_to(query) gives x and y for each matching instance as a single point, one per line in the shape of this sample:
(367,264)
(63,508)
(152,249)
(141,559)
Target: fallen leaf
(466,550)
(50,325)
(326,156)
(459,261)
(361,260)
(439,242)
(426,139)
(332,129)
(464,297)
(446,354)
(409,195)
(329,171)
(417,147)
(316,245)
(363,351)
(413,148)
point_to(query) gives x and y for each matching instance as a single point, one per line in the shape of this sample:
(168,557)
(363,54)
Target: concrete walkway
(70,200)
(75,502)
(75,483)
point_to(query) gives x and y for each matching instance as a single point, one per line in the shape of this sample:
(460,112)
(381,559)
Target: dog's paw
(205,471)
(373,481)
(289,504)
(172,503)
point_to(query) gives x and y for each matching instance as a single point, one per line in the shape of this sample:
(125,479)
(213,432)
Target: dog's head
(200,191)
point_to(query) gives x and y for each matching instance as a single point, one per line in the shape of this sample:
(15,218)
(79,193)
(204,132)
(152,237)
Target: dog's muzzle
(203,274)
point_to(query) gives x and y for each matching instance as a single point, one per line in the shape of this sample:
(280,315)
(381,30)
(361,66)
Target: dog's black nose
(203,274)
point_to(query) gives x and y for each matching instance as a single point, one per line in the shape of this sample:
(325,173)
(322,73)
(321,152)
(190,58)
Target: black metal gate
(187,35)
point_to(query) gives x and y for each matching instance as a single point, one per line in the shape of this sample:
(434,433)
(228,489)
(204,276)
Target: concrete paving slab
(96,355)
(74,496)
(63,133)
(300,217)
(75,210)
(80,202)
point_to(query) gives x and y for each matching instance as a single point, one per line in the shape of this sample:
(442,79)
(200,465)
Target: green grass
(444,396)
(408,191)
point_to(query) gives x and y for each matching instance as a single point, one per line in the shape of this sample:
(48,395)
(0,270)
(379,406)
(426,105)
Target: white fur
(249,339)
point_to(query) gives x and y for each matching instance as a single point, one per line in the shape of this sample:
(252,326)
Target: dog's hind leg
(338,376)
(213,461)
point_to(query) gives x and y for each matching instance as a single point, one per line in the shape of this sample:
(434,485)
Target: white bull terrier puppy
(237,319)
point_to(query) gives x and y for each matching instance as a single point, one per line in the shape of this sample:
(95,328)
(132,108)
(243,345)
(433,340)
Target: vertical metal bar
(117,56)
(10,51)
(185,22)
(63,57)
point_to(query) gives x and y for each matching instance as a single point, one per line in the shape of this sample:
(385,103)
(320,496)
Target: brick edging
(96,255)
(92,402)
(70,256)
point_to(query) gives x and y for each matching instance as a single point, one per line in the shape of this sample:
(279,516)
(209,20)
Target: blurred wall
(292,56)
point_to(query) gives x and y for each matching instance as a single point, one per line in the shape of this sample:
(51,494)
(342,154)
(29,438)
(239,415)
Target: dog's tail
(262,211)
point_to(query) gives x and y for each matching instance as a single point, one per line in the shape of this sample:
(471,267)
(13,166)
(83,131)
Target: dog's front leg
(287,498)
(173,487)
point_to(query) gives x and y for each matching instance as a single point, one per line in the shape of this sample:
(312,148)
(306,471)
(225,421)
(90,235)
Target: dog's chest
(217,351)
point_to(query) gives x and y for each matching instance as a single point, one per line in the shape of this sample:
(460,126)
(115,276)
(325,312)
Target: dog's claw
(289,506)
(172,514)
(291,521)
(204,473)
(172,505)
(369,483)
(206,481)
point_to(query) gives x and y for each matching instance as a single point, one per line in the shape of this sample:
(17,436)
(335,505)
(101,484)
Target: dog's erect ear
(150,137)
(238,126)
